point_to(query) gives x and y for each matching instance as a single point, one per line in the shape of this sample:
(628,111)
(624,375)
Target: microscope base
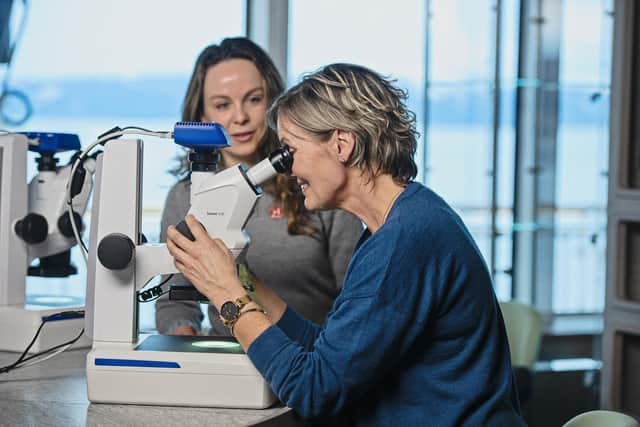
(122,373)
(18,326)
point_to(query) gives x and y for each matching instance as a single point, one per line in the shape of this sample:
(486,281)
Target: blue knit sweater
(414,338)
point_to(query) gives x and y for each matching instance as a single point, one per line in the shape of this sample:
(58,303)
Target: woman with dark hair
(233,83)
(415,337)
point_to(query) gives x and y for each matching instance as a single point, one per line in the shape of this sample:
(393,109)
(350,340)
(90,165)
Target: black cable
(20,362)
(74,182)
(116,129)
(57,316)
(71,218)
(154,293)
(139,128)
(51,349)
(26,350)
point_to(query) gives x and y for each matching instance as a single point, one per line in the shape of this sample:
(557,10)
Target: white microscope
(159,369)
(35,225)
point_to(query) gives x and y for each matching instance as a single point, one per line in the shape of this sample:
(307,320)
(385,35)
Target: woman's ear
(344,142)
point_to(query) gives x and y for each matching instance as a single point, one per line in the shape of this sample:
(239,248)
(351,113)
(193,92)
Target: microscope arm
(152,259)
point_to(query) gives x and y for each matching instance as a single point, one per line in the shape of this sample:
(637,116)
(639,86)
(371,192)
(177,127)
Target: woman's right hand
(184,330)
(205,262)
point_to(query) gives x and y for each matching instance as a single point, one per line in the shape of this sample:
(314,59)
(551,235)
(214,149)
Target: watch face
(229,311)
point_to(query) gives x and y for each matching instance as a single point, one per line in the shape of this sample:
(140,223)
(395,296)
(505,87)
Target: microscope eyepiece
(281,160)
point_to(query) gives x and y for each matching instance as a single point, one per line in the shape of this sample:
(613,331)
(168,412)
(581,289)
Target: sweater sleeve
(342,230)
(298,329)
(379,314)
(172,314)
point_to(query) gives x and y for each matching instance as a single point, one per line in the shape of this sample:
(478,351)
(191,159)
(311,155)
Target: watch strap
(242,301)
(260,309)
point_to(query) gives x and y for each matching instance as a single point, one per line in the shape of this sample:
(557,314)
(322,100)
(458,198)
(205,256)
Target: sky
(129,39)
(120,38)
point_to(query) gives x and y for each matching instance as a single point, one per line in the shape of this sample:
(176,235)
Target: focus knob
(115,251)
(64,224)
(33,228)
(183,228)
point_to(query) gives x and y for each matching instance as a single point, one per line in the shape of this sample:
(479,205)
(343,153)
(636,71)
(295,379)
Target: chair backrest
(524,332)
(601,418)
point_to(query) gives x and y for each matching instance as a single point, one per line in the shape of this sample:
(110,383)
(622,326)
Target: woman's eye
(221,106)
(255,99)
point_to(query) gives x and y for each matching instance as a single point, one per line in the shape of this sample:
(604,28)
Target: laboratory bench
(54,393)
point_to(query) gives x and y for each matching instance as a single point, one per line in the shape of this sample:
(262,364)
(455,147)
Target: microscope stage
(190,344)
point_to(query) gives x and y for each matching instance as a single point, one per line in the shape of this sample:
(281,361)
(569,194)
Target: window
(582,162)
(517,140)
(388,39)
(512,101)
(512,98)
(470,138)
(89,66)
(561,159)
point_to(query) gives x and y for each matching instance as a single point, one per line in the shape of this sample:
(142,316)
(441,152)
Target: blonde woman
(415,337)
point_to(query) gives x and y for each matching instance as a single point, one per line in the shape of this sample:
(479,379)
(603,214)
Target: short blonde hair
(354,98)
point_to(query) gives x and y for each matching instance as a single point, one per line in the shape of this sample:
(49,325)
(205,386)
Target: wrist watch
(230,310)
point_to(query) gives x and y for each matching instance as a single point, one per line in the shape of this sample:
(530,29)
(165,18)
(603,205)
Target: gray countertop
(54,393)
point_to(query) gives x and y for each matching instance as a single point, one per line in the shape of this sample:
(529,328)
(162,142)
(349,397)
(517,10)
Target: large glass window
(582,157)
(470,134)
(543,97)
(388,38)
(89,66)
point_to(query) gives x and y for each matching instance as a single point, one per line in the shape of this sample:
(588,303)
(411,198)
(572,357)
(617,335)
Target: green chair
(601,418)
(524,333)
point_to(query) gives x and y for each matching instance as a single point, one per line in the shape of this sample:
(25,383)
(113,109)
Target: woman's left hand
(207,263)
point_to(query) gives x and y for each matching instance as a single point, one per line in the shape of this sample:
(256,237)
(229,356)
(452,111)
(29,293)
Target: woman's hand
(207,263)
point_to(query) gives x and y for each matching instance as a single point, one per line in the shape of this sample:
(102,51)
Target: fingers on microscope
(197,229)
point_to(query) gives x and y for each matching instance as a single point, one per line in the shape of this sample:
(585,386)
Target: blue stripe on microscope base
(136,363)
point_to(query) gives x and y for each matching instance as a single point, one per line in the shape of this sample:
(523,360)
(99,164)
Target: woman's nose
(240,116)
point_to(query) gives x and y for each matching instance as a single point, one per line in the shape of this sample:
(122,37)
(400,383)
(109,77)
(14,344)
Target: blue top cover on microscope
(201,136)
(53,142)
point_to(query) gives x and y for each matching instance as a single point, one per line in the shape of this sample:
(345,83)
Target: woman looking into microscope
(416,336)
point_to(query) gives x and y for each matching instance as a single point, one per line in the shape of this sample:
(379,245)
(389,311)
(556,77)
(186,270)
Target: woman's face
(234,95)
(319,173)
